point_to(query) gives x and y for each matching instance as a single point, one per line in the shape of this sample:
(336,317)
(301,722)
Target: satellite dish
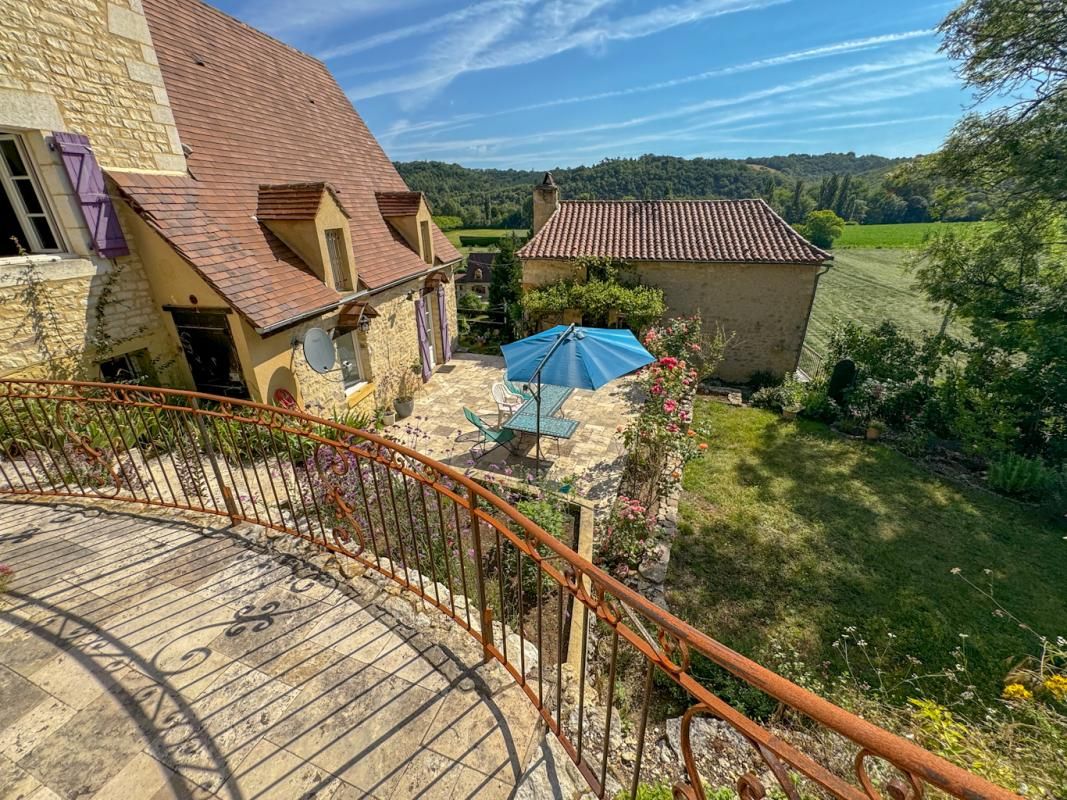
(318,350)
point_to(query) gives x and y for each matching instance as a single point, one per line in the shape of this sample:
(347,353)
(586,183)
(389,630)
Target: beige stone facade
(84,67)
(765,307)
(88,66)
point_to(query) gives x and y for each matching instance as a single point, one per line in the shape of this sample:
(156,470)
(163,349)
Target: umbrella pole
(537,471)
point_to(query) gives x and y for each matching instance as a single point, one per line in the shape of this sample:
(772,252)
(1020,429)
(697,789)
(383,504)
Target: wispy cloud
(723,120)
(431,24)
(797,56)
(285,17)
(884,122)
(520,33)
(886,74)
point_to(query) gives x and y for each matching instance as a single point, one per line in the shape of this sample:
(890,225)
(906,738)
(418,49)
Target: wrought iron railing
(459,547)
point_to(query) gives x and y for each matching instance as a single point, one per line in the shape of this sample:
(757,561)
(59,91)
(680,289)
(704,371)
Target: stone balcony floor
(148,656)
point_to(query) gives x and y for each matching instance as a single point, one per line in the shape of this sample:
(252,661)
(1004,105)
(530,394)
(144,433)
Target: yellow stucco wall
(764,306)
(307,238)
(277,361)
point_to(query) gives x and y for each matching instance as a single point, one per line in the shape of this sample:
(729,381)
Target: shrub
(1020,476)
(623,539)
(817,404)
(787,394)
(763,379)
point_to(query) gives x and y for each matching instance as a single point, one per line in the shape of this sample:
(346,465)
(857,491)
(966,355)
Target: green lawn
(909,235)
(868,286)
(791,532)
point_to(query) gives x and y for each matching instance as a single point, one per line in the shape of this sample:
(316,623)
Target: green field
(893,236)
(868,286)
(453,236)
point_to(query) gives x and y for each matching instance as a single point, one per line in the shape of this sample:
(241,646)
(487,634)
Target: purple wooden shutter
(88,182)
(424,338)
(442,312)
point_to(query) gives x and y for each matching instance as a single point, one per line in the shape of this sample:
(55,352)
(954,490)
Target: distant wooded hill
(867,188)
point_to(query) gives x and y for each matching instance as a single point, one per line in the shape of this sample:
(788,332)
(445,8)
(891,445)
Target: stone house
(478,276)
(243,202)
(736,262)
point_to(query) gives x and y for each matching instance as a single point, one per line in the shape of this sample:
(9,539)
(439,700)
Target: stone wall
(60,316)
(764,306)
(88,66)
(83,66)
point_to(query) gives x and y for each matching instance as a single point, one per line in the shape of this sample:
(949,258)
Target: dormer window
(336,252)
(24,216)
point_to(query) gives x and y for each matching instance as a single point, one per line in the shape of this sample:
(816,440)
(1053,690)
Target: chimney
(545,202)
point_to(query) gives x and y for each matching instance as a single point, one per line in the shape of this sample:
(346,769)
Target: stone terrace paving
(594,455)
(148,656)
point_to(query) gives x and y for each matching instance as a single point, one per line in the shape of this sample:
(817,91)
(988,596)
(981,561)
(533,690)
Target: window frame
(426,242)
(14,196)
(339,268)
(361,379)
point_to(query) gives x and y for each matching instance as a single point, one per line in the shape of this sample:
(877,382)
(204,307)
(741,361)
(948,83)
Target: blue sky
(535,84)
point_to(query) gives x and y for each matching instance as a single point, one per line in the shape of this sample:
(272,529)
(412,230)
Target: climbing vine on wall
(600,289)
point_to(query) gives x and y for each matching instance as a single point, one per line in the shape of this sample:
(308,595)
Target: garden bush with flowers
(661,440)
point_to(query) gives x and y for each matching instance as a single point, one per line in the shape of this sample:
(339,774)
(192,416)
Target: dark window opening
(133,367)
(210,352)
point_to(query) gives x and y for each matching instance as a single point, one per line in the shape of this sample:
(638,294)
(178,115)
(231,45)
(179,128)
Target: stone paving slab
(146,656)
(594,454)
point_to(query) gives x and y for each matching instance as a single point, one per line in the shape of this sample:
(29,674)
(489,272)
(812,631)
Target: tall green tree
(1014,51)
(505,284)
(1008,282)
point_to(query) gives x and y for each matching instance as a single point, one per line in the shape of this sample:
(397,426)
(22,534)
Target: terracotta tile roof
(479,268)
(257,112)
(735,231)
(398,204)
(261,277)
(294,200)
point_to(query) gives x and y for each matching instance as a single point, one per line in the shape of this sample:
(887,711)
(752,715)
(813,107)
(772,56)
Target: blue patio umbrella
(568,355)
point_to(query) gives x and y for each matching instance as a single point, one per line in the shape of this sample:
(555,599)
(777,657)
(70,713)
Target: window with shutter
(25,221)
(335,247)
(88,182)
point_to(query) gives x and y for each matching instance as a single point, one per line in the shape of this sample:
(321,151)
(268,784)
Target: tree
(1015,49)
(798,206)
(505,285)
(822,227)
(1008,282)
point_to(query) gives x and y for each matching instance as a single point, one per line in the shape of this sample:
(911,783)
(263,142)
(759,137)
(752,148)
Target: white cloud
(724,120)
(823,51)
(478,11)
(555,27)
(310,16)
(885,122)
(889,71)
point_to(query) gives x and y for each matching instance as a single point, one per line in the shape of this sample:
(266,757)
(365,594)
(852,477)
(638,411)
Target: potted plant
(875,428)
(790,411)
(405,398)
(384,417)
